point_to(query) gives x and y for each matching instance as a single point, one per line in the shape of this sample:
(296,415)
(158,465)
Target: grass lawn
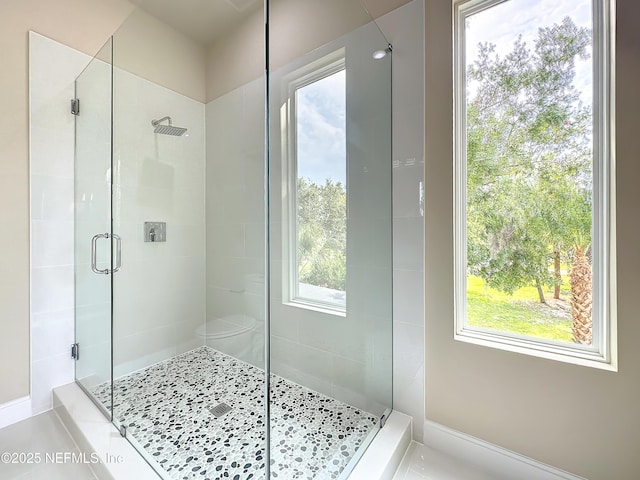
(521,312)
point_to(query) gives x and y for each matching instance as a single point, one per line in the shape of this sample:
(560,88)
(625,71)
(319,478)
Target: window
(532,177)
(315,183)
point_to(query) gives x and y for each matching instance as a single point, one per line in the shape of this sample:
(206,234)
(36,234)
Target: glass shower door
(93,239)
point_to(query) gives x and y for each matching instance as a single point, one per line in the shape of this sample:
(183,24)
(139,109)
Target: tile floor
(166,408)
(424,463)
(43,441)
(44,433)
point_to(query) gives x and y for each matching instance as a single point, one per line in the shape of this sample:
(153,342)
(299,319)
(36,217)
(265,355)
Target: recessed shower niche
(233,236)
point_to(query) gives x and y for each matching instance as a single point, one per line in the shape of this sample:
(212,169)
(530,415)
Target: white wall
(159,294)
(237,58)
(151,49)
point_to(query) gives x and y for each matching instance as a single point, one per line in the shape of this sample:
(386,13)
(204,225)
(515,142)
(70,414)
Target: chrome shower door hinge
(123,431)
(75,106)
(75,351)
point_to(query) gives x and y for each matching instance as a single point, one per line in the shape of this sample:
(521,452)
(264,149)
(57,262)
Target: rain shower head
(167,129)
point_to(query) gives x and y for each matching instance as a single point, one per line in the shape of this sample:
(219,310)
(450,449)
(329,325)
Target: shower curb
(384,455)
(110,455)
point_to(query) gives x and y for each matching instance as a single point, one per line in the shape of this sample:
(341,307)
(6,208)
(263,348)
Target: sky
(321,106)
(321,129)
(525,17)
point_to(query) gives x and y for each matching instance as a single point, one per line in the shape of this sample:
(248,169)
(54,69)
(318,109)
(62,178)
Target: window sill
(540,350)
(316,308)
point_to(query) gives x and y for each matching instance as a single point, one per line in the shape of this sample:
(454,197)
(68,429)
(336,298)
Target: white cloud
(503,23)
(321,129)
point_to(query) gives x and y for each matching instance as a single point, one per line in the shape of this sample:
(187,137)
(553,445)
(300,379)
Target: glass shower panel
(189,170)
(235,267)
(159,205)
(93,240)
(331,235)
(159,213)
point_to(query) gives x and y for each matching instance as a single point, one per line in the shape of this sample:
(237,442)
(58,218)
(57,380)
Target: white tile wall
(52,69)
(159,295)
(404,29)
(235,215)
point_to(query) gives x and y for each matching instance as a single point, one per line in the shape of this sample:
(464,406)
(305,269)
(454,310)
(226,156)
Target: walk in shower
(233,236)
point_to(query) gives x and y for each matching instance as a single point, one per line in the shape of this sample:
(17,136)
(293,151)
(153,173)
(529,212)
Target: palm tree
(580,280)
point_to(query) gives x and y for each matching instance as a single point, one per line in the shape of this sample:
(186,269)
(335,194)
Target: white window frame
(306,75)
(603,351)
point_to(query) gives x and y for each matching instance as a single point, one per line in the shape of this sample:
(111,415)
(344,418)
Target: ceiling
(204,21)
(377,8)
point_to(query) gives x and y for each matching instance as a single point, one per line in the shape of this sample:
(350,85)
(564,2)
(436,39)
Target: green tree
(528,160)
(322,234)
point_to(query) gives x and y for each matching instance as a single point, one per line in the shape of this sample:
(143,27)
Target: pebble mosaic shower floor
(166,409)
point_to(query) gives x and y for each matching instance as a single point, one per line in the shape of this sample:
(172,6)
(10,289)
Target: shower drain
(220,409)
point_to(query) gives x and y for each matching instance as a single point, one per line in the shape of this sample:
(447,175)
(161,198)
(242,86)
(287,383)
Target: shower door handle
(94,254)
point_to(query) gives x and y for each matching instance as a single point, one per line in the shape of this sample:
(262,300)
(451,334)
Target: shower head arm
(156,122)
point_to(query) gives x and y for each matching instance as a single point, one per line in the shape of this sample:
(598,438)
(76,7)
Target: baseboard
(495,460)
(15,411)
